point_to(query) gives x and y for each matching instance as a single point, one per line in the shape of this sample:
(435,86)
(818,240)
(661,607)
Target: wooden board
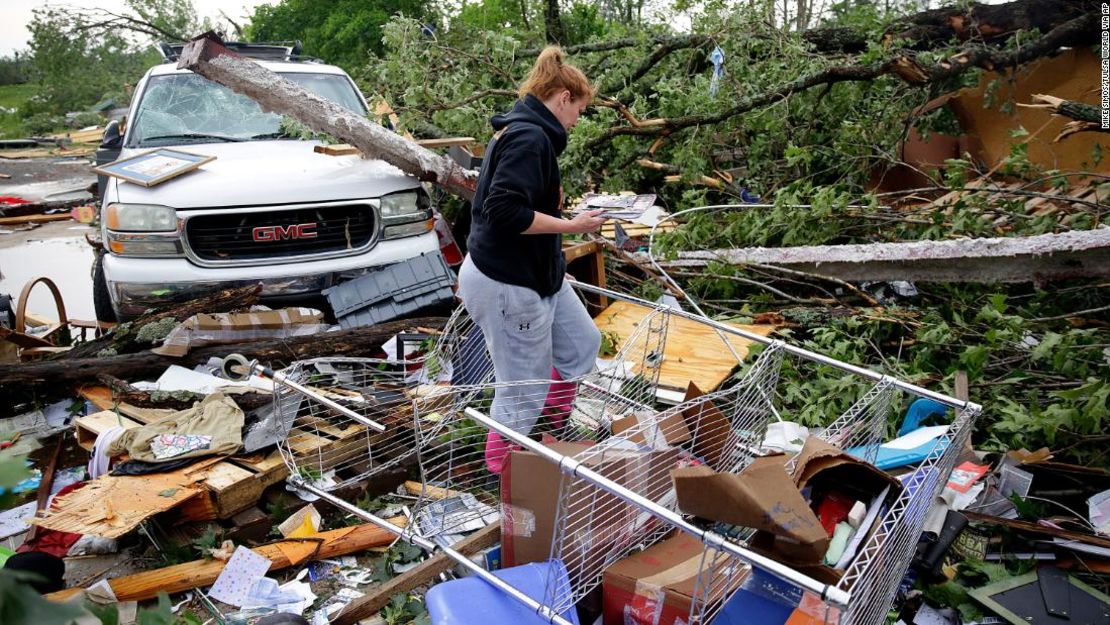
(634,229)
(267,468)
(231,488)
(34,219)
(87,428)
(101,397)
(111,506)
(693,352)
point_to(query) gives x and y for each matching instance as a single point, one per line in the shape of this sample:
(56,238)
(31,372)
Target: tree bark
(276,353)
(207,56)
(122,338)
(1085,117)
(1077,32)
(553,23)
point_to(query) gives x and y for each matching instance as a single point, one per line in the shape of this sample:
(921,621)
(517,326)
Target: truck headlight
(142,230)
(140,218)
(405,214)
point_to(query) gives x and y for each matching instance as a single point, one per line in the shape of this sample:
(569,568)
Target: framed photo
(154,167)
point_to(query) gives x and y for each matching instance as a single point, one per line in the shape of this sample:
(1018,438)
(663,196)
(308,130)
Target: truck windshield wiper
(281,134)
(194,135)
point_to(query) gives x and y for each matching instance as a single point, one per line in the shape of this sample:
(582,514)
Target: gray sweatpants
(526,336)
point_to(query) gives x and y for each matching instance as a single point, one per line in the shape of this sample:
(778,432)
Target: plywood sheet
(693,352)
(112,506)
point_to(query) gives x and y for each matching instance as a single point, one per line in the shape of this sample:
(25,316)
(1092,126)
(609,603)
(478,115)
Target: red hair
(552,74)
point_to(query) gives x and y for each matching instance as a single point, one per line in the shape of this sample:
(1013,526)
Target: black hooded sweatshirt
(520,175)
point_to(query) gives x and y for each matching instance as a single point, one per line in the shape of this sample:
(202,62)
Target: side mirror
(113,138)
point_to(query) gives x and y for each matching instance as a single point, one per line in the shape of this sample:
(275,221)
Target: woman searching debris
(511,283)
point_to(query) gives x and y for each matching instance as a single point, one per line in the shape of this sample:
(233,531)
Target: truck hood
(259,173)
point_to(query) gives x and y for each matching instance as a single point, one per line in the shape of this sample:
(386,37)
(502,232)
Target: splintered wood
(693,352)
(110,506)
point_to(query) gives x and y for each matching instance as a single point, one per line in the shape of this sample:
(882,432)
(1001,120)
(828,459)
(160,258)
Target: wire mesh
(333,450)
(607,425)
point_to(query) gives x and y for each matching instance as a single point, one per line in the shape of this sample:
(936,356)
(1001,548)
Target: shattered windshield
(188,108)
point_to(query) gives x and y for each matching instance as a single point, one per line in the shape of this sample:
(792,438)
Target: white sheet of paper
(1098,507)
(652,216)
(239,576)
(917,438)
(13,521)
(177,378)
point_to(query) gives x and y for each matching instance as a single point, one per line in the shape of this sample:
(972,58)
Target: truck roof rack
(262,51)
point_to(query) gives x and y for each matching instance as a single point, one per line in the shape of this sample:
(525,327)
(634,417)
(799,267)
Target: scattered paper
(652,216)
(1014,481)
(340,600)
(177,378)
(238,578)
(14,521)
(917,438)
(1098,507)
(292,597)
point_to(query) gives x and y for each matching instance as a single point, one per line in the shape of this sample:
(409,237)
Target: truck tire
(102,302)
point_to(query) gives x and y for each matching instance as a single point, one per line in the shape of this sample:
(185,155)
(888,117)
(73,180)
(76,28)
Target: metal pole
(792,349)
(544,611)
(573,467)
(244,368)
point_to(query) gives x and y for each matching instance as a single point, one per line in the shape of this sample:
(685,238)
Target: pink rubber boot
(497,448)
(560,399)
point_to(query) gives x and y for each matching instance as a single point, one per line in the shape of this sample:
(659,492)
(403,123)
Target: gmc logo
(263,234)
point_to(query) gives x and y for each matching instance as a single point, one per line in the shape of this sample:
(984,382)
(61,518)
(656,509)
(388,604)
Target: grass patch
(13,96)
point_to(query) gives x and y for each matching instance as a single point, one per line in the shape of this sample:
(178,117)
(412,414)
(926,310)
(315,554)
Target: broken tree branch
(207,56)
(122,338)
(277,353)
(1074,254)
(916,71)
(1086,117)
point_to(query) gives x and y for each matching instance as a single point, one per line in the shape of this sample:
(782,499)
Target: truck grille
(235,236)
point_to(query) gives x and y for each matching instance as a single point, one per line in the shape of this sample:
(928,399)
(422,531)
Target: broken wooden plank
(692,351)
(199,573)
(424,573)
(267,469)
(33,219)
(101,397)
(207,56)
(111,506)
(87,428)
(1075,254)
(231,488)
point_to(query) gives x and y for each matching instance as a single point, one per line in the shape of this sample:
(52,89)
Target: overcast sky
(15,15)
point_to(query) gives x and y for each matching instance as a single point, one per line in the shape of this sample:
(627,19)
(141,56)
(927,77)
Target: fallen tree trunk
(207,56)
(1078,254)
(182,577)
(424,573)
(276,353)
(122,338)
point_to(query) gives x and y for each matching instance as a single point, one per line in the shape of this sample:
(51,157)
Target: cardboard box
(642,428)
(531,487)
(656,586)
(765,497)
(709,427)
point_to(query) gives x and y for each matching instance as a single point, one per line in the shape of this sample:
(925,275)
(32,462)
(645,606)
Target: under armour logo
(525,326)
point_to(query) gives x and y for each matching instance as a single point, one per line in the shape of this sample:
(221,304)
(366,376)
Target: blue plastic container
(471,600)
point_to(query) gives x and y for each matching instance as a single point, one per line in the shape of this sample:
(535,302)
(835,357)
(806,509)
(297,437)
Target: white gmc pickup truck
(267,209)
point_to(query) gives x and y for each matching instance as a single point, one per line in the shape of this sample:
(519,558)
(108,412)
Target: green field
(12,96)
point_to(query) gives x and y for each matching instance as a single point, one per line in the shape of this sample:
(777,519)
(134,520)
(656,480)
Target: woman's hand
(586,221)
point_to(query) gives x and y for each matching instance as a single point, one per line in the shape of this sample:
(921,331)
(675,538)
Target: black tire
(102,302)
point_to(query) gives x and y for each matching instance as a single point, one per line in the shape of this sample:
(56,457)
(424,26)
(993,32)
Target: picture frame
(154,166)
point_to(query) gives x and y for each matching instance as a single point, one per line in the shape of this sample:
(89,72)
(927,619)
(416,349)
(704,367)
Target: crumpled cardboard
(225,328)
(531,488)
(709,425)
(765,497)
